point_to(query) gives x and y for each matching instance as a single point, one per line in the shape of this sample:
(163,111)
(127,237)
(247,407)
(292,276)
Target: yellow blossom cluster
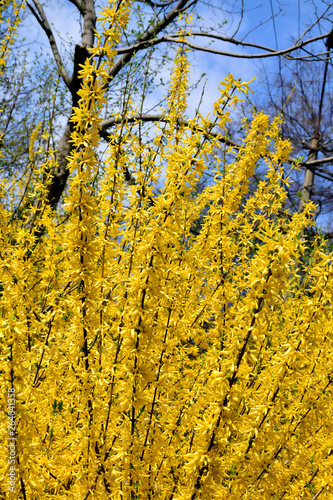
(165,341)
(9,34)
(12,25)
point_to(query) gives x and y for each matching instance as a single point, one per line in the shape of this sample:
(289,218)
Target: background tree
(142,49)
(302,90)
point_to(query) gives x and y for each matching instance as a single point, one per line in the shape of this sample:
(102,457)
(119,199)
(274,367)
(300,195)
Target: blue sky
(289,24)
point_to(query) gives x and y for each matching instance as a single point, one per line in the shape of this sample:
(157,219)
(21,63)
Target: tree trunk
(307,187)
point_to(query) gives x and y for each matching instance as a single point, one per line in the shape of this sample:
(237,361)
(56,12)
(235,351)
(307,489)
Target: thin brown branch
(311,26)
(317,494)
(142,44)
(226,140)
(271,53)
(232,40)
(314,163)
(44,23)
(159,118)
(158,5)
(240,19)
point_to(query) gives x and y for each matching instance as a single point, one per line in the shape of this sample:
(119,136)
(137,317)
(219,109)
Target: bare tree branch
(320,161)
(240,20)
(310,27)
(142,44)
(43,21)
(271,53)
(228,39)
(106,124)
(153,4)
(317,494)
(262,23)
(159,118)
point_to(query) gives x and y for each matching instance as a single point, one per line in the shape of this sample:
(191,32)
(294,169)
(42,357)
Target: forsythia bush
(164,342)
